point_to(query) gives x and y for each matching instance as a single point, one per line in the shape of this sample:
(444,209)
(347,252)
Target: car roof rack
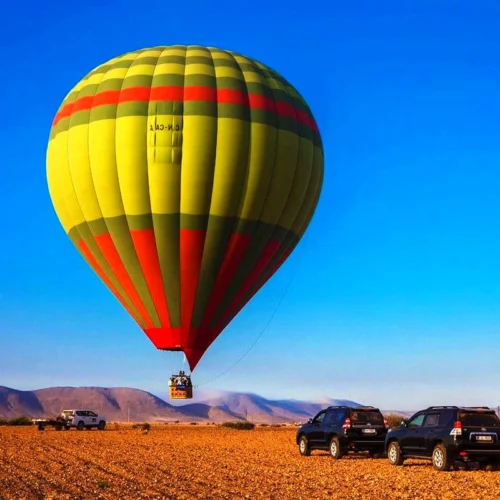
(336,407)
(475,408)
(459,408)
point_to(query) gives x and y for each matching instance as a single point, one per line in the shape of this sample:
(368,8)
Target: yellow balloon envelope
(185,176)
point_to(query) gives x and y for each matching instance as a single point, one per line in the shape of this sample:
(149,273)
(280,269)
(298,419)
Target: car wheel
(335,450)
(80,426)
(394,454)
(304,447)
(101,425)
(440,459)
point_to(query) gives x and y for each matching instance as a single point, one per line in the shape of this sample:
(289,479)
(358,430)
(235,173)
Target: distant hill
(117,404)
(14,403)
(123,404)
(257,409)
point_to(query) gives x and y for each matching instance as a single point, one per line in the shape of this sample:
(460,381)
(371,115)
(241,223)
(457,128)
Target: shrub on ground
(16,421)
(239,425)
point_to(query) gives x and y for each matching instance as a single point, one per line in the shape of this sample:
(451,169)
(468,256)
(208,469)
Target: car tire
(394,454)
(80,426)
(304,447)
(334,448)
(101,425)
(440,459)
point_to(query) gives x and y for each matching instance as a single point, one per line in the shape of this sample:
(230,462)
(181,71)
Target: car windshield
(478,419)
(367,417)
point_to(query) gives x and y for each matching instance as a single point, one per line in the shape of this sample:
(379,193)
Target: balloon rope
(266,326)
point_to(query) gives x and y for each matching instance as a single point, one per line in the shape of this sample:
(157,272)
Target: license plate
(484,438)
(369,431)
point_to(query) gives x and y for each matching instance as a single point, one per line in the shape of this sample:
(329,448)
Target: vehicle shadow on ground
(470,468)
(349,457)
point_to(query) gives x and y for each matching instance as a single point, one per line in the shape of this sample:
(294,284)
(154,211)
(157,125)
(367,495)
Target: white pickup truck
(81,419)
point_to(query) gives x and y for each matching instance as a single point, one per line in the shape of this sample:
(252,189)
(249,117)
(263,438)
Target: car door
(316,434)
(413,432)
(92,418)
(330,425)
(424,438)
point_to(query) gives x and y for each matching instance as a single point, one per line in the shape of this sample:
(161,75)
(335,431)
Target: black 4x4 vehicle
(447,435)
(341,429)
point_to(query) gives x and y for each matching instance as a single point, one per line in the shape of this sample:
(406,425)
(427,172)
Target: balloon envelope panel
(185,176)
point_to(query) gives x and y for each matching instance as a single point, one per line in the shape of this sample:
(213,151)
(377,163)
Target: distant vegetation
(246,426)
(16,421)
(394,420)
(145,427)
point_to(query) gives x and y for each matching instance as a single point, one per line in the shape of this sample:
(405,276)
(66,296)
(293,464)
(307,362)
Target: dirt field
(208,462)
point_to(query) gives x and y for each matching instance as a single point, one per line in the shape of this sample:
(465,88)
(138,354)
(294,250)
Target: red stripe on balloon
(108,249)
(192,242)
(145,247)
(98,269)
(186,94)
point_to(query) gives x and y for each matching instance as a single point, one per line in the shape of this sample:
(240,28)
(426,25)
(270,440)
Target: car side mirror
(404,422)
(310,421)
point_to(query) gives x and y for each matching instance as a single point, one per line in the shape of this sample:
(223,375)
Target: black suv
(447,435)
(341,429)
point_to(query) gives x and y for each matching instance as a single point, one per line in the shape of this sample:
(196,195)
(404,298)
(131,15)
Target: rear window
(478,419)
(367,417)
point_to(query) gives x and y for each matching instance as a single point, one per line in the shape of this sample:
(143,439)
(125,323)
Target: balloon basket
(180,386)
(181,393)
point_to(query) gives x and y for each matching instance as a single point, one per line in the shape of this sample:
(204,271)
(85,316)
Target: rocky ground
(210,462)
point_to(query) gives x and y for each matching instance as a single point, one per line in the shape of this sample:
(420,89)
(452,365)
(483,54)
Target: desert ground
(210,462)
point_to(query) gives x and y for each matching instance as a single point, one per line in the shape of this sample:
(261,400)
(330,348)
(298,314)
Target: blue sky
(394,297)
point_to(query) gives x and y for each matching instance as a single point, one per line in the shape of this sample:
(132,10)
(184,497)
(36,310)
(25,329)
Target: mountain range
(122,404)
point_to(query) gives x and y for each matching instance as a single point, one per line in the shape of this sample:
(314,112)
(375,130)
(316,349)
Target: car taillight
(457,429)
(347,423)
(386,423)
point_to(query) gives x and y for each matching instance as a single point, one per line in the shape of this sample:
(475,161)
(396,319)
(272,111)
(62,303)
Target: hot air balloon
(185,176)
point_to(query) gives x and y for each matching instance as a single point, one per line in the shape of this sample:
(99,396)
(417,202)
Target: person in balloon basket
(181,381)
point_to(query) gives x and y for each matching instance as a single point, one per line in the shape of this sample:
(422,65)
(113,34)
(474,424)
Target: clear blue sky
(395,297)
